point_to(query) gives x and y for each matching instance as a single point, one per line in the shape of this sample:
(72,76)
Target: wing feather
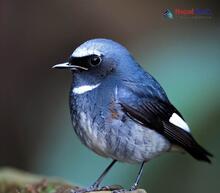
(155,114)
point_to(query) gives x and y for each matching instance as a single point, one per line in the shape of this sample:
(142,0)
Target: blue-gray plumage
(120,111)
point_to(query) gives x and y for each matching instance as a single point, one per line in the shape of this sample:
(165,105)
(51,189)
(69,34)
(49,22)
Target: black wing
(155,113)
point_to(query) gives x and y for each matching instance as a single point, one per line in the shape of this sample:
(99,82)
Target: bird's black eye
(95,60)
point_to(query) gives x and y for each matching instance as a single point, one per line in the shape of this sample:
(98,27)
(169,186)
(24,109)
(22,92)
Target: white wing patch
(178,121)
(85,88)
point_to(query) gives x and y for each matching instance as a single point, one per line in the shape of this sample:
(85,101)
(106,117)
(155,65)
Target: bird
(120,111)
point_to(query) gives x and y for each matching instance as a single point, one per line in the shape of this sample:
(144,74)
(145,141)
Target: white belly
(133,144)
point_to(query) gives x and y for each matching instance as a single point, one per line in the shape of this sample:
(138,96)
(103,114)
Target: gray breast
(104,128)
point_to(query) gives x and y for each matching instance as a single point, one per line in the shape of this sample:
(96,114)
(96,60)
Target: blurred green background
(183,54)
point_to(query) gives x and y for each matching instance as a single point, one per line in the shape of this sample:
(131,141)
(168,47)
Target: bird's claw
(113,188)
(122,190)
(134,187)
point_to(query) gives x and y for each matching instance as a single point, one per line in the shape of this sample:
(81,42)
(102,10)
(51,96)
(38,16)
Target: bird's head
(98,58)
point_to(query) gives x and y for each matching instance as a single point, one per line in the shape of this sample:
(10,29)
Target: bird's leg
(134,186)
(95,186)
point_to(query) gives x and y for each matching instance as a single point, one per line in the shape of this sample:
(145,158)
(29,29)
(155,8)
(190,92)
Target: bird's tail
(198,152)
(185,140)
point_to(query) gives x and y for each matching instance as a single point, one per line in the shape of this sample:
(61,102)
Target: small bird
(120,111)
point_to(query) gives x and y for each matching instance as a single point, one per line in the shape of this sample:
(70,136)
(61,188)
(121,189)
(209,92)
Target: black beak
(67,65)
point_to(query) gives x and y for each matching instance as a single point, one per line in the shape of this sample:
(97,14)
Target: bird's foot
(134,187)
(78,190)
(122,190)
(84,190)
(94,188)
(113,188)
